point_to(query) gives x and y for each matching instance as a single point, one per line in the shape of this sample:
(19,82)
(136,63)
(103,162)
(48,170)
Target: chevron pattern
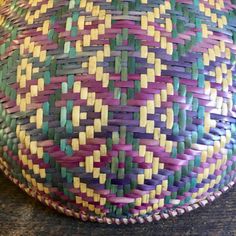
(119,108)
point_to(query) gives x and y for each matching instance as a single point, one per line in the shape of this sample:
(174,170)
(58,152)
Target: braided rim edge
(138,219)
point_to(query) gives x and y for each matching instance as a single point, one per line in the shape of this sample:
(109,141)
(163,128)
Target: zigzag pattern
(119,108)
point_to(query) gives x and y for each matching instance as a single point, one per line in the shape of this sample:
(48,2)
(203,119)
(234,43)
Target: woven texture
(116,109)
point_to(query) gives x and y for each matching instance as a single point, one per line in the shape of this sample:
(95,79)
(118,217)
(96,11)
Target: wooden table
(22,215)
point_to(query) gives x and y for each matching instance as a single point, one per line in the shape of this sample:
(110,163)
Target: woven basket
(119,111)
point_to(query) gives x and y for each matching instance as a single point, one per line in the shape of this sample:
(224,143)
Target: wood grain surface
(22,215)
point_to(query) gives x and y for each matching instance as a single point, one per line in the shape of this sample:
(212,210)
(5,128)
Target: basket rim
(81,215)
